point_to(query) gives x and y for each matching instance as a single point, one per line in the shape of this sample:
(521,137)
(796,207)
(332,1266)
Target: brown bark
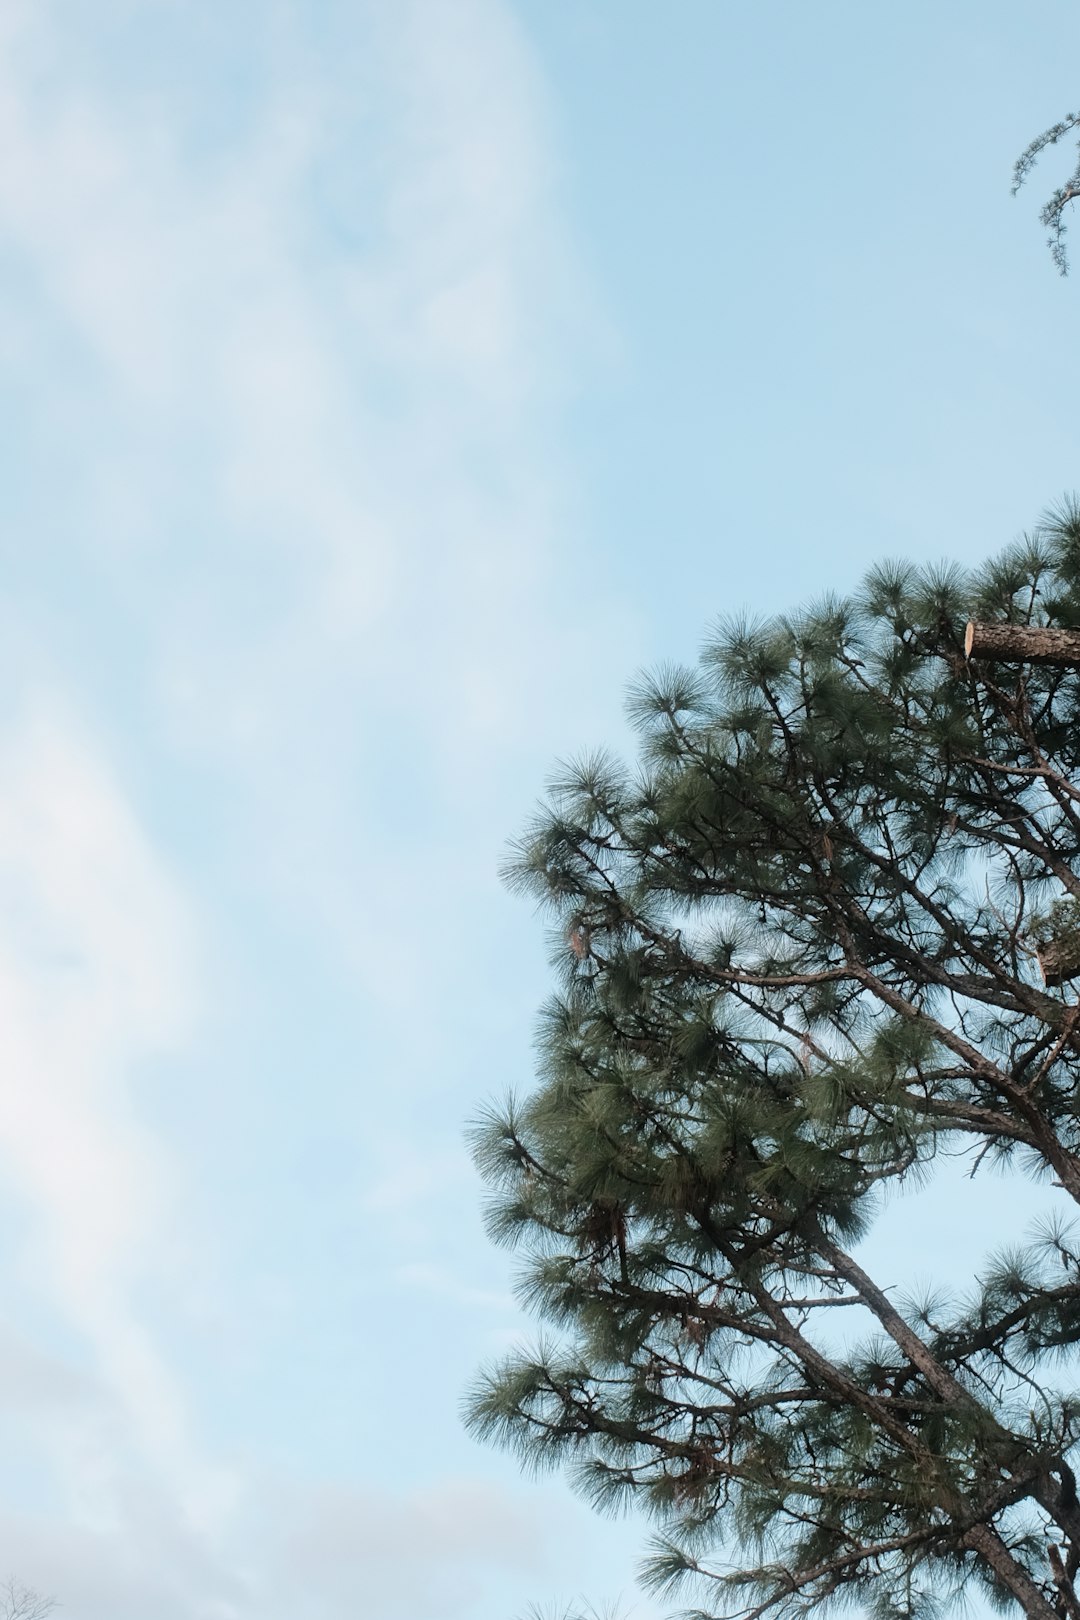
(1059,959)
(1063,1583)
(1022,644)
(990,1546)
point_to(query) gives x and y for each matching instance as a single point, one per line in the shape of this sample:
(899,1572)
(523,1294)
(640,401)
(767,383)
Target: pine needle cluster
(1053,212)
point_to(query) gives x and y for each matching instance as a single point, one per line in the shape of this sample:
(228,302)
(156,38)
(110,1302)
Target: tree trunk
(1022,644)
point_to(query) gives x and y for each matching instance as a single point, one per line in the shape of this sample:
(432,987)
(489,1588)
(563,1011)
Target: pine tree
(826,933)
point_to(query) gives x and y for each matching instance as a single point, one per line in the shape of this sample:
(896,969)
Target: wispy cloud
(97,974)
(321,455)
(304,496)
(445,1550)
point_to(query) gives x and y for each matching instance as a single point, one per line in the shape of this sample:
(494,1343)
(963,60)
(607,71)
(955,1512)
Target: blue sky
(381,385)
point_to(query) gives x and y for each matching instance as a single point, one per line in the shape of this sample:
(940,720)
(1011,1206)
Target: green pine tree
(823,934)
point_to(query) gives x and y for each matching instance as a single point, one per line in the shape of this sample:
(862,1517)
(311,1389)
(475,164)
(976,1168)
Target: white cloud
(301,399)
(306,1551)
(97,973)
(363,430)
(334,350)
(432,1553)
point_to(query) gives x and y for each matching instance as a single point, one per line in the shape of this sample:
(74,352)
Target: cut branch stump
(1022,644)
(1059,959)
